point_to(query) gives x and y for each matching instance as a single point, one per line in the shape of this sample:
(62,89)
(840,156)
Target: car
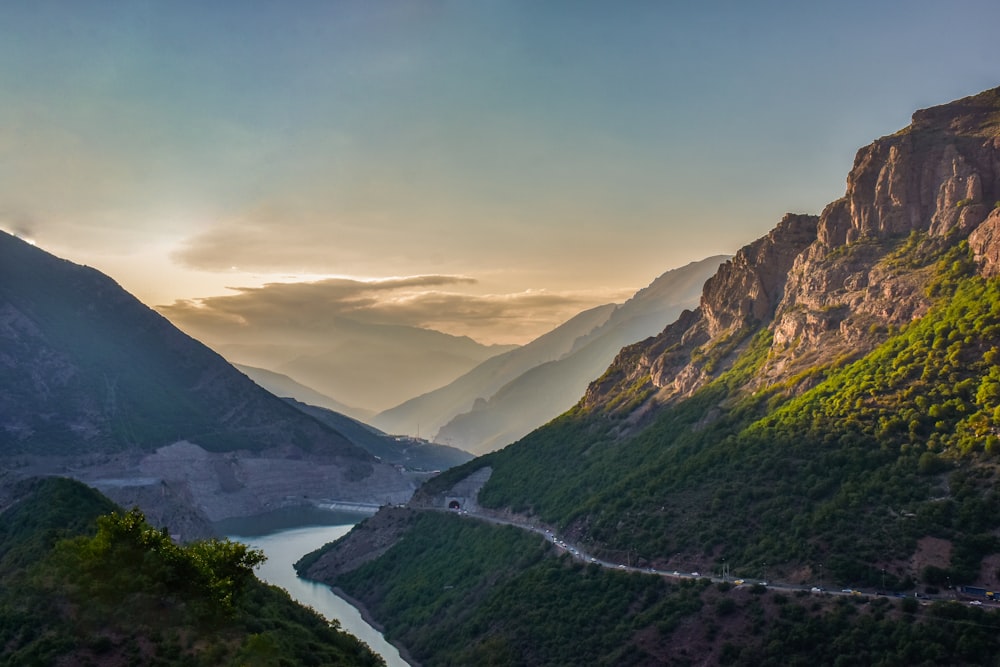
(738,582)
(695,574)
(621,567)
(976,602)
(815,589)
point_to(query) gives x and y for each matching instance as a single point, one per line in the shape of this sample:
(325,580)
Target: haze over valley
(564,321)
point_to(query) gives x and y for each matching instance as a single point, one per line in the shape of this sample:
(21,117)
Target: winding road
(579,554)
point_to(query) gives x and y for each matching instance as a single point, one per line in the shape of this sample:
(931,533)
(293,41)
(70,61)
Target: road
(579,554)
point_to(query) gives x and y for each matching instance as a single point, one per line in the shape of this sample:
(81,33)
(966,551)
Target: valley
(507,334)
(824,419)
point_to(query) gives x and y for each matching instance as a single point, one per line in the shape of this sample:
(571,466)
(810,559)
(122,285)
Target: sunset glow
(557,156)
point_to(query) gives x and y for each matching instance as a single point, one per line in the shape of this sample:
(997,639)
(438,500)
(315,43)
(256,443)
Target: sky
(485,168)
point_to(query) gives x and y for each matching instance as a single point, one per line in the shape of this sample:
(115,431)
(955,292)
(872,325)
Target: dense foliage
(843,478)
(882,633)
(457,591)
(123,593)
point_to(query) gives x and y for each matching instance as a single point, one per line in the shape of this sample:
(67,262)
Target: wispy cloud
(302,310)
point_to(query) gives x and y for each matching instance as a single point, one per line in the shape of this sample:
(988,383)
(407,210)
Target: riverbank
(371,620)
(283,548)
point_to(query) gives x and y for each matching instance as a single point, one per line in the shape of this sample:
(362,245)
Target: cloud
(301,312)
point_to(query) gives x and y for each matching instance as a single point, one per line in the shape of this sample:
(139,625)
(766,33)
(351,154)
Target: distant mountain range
(364,367)
(281,385)
(402,450)
(96,385)
(410,452)
(508,396)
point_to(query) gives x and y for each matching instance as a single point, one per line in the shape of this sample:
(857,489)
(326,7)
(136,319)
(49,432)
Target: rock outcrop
(831,287)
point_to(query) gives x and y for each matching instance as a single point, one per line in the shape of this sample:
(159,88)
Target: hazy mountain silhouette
(369,367)
(281,385)
(510,395)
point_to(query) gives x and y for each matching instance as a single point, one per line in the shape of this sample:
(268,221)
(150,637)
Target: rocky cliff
(831,287)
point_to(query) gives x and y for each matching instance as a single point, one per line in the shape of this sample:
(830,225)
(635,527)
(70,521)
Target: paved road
(579,554)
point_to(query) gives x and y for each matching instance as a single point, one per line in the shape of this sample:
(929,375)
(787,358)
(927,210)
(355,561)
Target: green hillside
(82,586)
(457,591)
(894,446)
(835,477)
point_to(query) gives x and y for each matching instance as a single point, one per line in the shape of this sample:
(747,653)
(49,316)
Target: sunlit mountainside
(827,418)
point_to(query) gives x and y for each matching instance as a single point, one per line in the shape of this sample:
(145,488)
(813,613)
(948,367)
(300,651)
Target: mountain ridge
(829,416)
(823,297)
(545,377)
(98,386)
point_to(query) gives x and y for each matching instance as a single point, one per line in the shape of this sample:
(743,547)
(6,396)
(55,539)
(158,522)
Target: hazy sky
(497,166)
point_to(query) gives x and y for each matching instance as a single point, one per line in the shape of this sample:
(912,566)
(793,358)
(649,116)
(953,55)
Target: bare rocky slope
(95,385)
(824,285)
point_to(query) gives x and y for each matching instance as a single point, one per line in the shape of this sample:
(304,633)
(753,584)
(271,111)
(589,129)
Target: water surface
(283,548)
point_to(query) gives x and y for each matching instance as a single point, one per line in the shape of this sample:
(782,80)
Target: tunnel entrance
(454,505)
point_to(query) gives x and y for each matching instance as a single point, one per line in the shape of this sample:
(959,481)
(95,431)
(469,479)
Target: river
(285,545)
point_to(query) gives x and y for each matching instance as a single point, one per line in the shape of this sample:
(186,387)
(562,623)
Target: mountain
(285,387)
(428,412)
(84,583)
(505,398)
(370,367)
(828,417)
(97,385)
(411,453)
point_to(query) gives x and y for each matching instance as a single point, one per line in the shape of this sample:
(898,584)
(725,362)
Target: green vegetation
(843,478)
(122,593)
(457,591)
(880,633)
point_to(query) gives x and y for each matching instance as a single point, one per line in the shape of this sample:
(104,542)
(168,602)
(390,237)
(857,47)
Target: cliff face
(831,286)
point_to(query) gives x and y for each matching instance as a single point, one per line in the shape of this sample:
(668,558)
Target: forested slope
(86,583)
(829,416)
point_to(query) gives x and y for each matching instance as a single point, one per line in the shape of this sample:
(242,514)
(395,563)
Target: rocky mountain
(508,396)
(827,287)
(828,417)
(96,385)
(409,452)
